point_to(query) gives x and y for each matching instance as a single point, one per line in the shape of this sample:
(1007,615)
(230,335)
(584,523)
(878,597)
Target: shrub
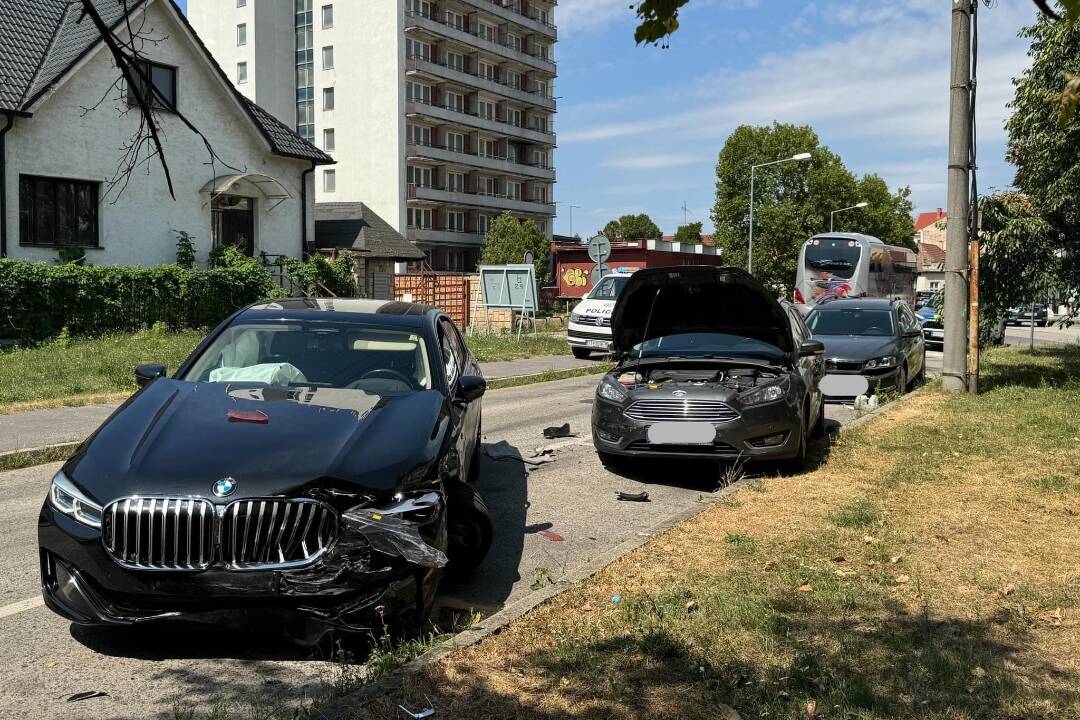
(38,300)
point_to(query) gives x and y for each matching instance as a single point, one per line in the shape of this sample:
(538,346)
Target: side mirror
(811,348)
(146,374)
(471,387)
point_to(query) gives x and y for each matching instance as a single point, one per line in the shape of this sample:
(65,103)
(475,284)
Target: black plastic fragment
(87,695)
(632,497)
(558,431)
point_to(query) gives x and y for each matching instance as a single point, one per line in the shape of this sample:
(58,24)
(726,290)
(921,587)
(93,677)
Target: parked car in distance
(711,365)
(1027,315)
(934,333)
(589,329)
(870,345)
(311,462)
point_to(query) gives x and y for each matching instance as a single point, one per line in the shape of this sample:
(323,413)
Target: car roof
(858,304)
(380,312)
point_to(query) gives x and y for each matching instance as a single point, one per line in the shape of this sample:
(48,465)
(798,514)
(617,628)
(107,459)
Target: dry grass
(930,568)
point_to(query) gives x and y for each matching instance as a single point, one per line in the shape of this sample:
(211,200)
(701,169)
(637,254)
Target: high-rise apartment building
(439,113)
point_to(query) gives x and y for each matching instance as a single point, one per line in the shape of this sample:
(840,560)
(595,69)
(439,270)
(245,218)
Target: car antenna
(645,332)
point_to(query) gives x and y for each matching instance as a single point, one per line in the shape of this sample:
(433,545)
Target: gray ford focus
(711,364)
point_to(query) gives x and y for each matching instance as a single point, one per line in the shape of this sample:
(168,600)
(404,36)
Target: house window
(241,3)
(512,78)
(417,49)
(455,221)
(327,16)
(163,78)
(515,117)
(513,41)
(241,34)
(488,186)
(420,7)
(455,61)
(455,182)
(419,217)
(241,73)
(455,142)
(455,20)
(455,101)
(418,93)
(329,181)
(329,141)
(232,222)
(488,71)
(486,31)
(483,222)
(418,135)
(418,176)
(513,190)
(328,57)
(54,211)
(328,98)
(489,149)
(486,109)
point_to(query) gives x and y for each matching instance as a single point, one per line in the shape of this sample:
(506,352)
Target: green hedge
(38,300)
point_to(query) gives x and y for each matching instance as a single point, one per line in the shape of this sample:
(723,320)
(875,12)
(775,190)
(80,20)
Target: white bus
(836,265)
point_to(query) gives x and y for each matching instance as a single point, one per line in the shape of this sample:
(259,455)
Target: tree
(689,234)
(887,215)
(632,227)
(508,239)
(792,201)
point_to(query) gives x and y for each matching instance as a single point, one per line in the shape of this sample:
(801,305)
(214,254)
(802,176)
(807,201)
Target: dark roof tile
(356,226)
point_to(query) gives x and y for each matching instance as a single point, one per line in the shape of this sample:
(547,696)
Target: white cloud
(653,162)
(575,15)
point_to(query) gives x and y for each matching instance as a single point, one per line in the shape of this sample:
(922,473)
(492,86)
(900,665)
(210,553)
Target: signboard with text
(510,287)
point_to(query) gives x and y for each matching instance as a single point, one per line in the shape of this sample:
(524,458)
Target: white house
(66,123)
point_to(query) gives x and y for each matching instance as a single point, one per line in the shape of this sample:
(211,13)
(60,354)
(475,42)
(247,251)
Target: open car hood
(696,298)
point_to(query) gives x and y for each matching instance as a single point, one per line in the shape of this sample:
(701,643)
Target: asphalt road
(549,519)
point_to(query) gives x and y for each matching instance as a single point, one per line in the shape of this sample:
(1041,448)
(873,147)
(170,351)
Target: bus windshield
(836,256)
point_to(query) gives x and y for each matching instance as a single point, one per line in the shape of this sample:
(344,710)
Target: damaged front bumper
(383,568)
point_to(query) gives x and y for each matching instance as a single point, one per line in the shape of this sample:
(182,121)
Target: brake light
(799,296)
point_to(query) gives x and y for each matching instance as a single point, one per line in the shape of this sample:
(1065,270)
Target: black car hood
(697,299)
(856,347)
(176,438)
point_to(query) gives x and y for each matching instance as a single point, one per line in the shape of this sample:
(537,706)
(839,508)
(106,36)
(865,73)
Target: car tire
(796,464)
(921,377)
(581,353)
(819,427)
(468,528)
(902,380)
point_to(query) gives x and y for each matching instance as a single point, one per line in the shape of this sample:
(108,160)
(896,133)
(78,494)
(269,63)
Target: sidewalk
(37,428)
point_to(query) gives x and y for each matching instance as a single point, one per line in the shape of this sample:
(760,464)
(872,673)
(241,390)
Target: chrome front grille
(597,320)
(192,533)
(261,534)
(160,533)
(681,410)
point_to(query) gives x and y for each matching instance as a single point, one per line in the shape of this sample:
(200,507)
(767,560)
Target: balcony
(445,72)
(506,10)
(470,38)
(472,120)
(496,164)
(475,199)
(442,236)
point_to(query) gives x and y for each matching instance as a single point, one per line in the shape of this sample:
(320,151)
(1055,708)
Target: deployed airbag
(268,373)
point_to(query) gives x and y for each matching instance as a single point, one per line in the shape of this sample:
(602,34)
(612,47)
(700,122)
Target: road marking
(21,606)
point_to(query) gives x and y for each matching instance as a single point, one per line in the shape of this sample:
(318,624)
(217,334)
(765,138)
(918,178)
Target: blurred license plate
(844,385)
(681,433)
(600,344)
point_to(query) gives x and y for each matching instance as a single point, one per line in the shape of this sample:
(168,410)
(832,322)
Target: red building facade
(573,267)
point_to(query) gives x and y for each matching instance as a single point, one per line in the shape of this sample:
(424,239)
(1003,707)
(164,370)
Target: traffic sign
(599,272)
(599,249)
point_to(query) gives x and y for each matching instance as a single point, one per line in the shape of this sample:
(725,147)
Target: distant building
(439,113)
(573,267)
(931,268)
(930,227)
(376,245)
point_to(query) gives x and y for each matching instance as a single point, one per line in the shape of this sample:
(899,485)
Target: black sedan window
(331,355)
(852,321)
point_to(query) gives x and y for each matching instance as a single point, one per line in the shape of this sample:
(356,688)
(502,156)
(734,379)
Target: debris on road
(616,599)
(632,497)
(503,451)
(558,431)
(87,695)
(552,536)
(425,713)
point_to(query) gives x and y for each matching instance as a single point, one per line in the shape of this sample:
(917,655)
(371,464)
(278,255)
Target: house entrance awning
(249,183)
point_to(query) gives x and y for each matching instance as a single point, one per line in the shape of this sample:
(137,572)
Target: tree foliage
(508,239)
(1031,238)
(632,227)
(689,234)
(793,200)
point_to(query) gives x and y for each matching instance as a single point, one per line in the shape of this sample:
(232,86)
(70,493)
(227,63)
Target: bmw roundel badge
(224,487)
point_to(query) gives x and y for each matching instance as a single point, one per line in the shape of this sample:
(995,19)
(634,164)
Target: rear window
(836,256)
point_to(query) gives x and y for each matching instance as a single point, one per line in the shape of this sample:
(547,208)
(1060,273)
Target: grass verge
(549,375)
(19,459)
(928,569)
(84,371)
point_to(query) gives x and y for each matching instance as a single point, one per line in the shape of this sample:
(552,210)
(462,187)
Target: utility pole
(955,367)
(685,210)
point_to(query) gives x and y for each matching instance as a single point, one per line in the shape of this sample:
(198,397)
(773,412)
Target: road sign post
(599,252)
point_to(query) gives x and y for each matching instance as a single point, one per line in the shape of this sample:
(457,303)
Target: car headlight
(611,391)
(65,497)
(765,393)
(576,317)
(881,362)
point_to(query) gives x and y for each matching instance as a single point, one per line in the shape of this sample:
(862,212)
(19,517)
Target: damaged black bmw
(311,464)
(711,364)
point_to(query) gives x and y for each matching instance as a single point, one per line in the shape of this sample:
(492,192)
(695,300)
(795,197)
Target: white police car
(589,329)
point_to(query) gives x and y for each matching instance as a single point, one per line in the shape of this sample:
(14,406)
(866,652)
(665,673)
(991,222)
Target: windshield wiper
(826,264)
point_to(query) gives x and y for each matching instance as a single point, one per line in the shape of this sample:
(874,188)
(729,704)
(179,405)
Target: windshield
(609,288)
(707,345)
(851,321)
(836,256)
(320,355)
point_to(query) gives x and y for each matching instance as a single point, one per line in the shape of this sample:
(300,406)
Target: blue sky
(639,128)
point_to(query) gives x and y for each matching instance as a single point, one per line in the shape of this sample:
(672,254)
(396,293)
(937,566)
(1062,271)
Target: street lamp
(572,208)
(753,168)
(833,213)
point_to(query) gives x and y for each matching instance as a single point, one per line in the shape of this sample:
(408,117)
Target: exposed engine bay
(732,378)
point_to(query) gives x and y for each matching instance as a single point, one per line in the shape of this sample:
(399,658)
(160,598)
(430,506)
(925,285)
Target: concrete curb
(343,707)
(33,454)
